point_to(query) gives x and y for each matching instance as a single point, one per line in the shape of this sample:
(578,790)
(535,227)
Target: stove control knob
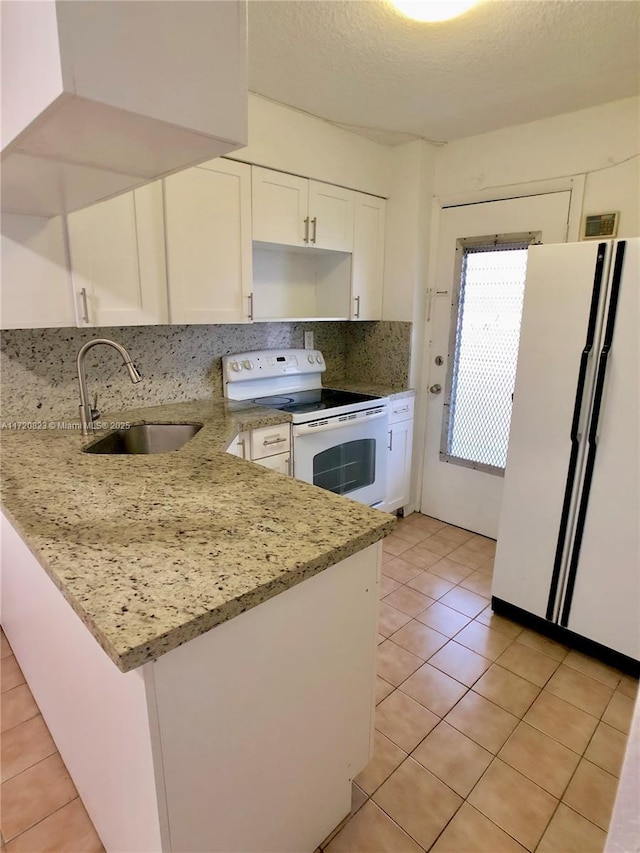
(310,357)
(319,359)
(247,364)
(235,366)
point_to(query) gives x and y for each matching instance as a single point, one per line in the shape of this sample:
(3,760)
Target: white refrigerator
(568,548)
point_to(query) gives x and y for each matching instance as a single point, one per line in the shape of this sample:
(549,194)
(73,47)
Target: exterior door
(465,491)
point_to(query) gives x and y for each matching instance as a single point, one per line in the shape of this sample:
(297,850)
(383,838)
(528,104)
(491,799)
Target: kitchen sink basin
(145,438)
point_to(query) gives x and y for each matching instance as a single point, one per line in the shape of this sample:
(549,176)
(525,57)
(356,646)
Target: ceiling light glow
(430,11)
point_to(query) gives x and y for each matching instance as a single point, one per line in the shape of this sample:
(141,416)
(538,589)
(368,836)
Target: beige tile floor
(488,738)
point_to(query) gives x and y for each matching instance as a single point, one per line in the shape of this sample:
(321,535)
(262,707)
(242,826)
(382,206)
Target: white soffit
(506,62)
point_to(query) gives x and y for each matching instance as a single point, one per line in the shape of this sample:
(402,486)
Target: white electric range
(339,438)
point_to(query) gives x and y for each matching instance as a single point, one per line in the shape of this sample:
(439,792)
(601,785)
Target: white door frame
(420,359)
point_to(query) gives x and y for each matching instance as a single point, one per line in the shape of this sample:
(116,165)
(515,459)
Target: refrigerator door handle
(593,431)
(575,436)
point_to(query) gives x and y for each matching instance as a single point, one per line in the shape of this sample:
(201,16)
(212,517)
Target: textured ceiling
(360,64)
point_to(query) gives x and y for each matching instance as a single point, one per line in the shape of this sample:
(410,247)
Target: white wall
(602,143)
(595,153)
(287,139)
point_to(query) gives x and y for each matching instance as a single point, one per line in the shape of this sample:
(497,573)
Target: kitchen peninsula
(181,737)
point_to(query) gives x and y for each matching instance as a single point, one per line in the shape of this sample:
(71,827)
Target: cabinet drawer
(281,463)
(268,441)
(401,410)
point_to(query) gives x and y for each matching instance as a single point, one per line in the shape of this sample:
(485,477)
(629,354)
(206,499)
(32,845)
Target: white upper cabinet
(294,211)
(280,207)
(368,258)
(331,211)
(208,237)
(101,97)
(117,260)
(36,284)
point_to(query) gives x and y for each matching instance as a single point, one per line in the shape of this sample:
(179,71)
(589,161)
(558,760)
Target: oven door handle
(337,423)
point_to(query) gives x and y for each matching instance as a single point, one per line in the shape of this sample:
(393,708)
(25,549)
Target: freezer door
(561,283)
(604,605)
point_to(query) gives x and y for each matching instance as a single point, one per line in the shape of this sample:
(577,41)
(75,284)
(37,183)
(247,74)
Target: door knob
(435,389)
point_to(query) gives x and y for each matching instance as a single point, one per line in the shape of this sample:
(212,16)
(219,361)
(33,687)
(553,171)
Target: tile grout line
(520,719)
(38,822)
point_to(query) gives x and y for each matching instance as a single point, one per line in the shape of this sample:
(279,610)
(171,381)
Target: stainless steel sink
(145,438)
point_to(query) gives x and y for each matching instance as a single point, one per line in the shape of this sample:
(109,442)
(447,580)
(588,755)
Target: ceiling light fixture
(431,11)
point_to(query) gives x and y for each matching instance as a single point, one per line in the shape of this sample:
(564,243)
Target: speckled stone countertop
(154,550)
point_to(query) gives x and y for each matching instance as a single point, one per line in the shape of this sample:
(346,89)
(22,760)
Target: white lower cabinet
(267,446)
(400,451)
(117,258)
(208,237)
(167,756)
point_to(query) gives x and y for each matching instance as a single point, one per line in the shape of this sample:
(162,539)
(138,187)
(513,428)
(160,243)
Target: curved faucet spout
(87,414)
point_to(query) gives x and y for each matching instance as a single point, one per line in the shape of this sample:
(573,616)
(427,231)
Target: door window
(346,467)
(485,331)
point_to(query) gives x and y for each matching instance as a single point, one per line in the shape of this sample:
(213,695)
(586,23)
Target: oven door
(346,454)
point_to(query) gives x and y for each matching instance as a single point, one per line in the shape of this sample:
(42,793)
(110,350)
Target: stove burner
(273,402)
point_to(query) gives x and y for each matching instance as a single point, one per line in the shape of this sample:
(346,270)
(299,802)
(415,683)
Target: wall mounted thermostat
(600,226)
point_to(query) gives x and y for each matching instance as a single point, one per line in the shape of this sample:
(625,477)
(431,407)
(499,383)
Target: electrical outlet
(308,340)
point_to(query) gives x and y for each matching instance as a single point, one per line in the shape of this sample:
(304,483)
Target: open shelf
(300,285)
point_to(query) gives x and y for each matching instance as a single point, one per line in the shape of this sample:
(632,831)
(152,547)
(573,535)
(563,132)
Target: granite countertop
(154,550)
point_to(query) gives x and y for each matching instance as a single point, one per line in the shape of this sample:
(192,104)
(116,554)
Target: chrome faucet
(87,413)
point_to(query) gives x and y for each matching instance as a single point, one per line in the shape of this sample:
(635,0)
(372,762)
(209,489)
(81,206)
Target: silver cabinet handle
(356,313)
(242,446)
(435,389)
(306,229)
(85,304)
(269,441)
(314,222)
(390,439)
(250,298)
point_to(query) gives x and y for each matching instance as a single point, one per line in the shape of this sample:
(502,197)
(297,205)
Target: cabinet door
(280,207)
(368,258)
(331,213)
(36,285)
(208,235)
(399,465)
(116,251)
(281,463)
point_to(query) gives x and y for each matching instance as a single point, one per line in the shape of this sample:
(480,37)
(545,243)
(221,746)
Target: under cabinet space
(308,284)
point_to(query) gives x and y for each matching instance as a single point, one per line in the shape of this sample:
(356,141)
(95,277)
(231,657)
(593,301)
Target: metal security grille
(486,317)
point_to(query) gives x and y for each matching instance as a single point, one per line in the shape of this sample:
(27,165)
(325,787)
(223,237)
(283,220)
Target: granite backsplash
(38,366)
